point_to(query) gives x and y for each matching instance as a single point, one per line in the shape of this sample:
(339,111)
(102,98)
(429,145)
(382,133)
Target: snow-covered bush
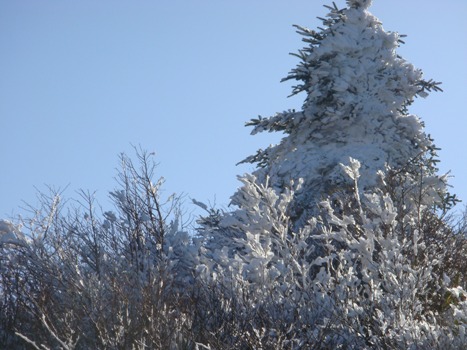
(358,275)
(74,278)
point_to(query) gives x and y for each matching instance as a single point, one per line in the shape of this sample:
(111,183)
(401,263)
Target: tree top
(362,4)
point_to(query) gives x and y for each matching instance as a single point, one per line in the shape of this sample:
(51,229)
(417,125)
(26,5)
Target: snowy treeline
(341,239)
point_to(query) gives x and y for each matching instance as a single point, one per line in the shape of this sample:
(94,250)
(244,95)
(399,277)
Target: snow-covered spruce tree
(357,95)
(338,239)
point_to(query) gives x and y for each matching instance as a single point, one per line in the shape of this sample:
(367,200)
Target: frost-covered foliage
(339,240)
(359,275)
(76,278)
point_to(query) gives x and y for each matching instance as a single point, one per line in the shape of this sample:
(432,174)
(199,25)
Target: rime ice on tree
(352,254)
(357,93)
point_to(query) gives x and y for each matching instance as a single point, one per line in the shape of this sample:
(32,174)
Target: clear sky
(83,80)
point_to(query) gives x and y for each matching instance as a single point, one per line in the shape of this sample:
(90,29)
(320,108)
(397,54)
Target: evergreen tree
(358,91)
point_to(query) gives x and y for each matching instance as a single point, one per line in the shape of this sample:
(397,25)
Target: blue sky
(81,81)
